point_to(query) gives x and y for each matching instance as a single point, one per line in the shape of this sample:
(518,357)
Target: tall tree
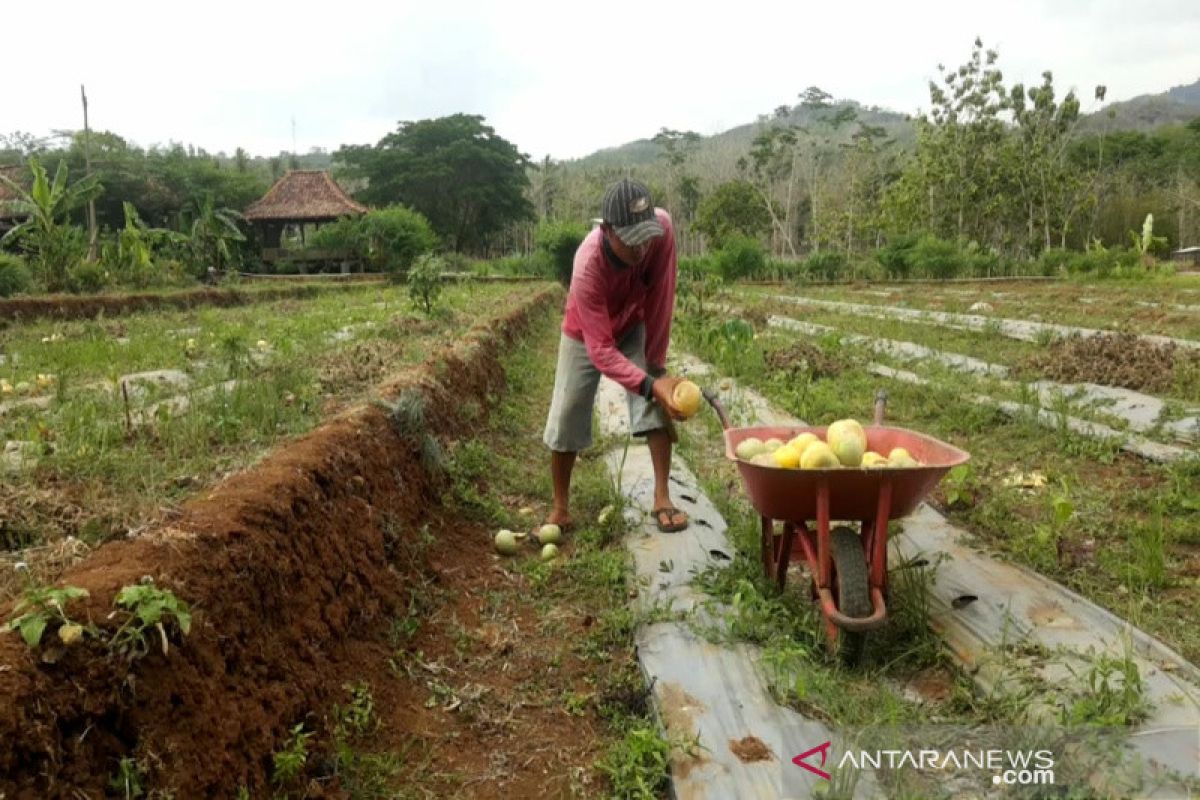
(467,181)
(682,190)
(1053,190)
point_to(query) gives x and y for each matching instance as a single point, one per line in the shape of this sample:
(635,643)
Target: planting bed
(67,306)
(145,410)
(286,566)
(1167,306)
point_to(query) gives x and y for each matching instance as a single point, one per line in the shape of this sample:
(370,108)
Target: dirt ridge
(282,564)
(67,306)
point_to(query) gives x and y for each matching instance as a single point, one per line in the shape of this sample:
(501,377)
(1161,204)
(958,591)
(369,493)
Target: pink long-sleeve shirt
(606,300)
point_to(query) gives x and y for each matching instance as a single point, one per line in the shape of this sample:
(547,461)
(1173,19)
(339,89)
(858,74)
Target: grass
(97,477)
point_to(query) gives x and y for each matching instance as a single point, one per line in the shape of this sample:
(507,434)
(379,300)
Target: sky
(554,77)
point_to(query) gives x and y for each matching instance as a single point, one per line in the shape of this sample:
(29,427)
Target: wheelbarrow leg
(777,551)
(768,547)
(783,556)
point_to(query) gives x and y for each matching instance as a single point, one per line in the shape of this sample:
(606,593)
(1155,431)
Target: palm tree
(46,234)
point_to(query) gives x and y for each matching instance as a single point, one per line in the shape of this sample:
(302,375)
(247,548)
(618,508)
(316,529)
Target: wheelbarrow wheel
(853,590)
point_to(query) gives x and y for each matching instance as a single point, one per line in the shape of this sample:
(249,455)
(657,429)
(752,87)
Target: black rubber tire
(852,588)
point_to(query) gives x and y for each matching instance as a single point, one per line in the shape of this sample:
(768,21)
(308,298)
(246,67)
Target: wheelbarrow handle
(881,398)
(711,397)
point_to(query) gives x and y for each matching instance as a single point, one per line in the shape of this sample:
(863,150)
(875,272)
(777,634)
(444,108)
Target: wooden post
(87,171)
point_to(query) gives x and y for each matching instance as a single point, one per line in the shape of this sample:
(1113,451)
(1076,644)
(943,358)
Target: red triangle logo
(823,749)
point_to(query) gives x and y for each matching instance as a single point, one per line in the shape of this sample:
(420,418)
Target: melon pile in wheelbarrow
(804,477)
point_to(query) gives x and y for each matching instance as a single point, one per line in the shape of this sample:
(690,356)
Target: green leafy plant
(87,278)
(425,282)
(697,282)
(358,717)
(397,236)
(636,765)
(1148,245)
(39,606)
(826,265)
(53,244)
(128,780)
(740,258)
(1046,535)
(1113,693)
(960,487)
(215,234)
(14,275)
(557,243)
(130,256)
(147,608)
(288,763)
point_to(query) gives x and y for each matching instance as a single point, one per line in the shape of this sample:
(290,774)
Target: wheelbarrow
(848,566)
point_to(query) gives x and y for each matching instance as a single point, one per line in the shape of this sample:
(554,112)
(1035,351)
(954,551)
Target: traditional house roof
(304,195)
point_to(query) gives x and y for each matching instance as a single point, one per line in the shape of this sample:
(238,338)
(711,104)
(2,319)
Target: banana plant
(45,233)
(131,255)
(212,232)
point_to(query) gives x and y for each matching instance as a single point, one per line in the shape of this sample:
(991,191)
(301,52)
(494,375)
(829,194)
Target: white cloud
(553,77)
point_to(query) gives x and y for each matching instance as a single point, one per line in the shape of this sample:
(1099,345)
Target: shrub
(981,264)
(936,258)
(425,282)
(394,238)
(88,278)
(896,256)
(557,243)
(14,275)
(1055,261)
(826,265)
(740,258)
(346,233)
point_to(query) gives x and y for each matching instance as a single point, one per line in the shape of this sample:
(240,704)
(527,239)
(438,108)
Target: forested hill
(1148,111)
(1142,113)
(737,140)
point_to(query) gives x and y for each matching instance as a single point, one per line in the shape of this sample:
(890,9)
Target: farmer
(618,324)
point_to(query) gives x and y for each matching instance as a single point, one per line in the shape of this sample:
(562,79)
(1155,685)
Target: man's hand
(664,394)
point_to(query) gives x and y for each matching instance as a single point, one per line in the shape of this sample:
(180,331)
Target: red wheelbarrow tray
(791,494)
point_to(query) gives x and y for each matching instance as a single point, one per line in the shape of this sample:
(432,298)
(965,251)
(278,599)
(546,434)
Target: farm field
(207,392)
(891,489)
(353,629)
(1167,306)
(1114,527)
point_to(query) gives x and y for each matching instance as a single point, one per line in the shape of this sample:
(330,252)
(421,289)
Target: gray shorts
(569,425)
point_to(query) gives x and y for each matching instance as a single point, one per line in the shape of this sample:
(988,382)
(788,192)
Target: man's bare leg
(561,465)
(660,457)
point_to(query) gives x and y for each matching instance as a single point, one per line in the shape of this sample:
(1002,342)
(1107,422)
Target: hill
(1148,111)
(1142,113)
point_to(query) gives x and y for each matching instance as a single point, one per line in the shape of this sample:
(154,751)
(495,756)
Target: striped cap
(628,208)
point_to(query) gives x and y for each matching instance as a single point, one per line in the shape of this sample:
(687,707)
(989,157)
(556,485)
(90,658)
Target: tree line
(995,173)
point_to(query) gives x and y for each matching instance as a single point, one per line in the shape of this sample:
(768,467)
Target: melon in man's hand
(686,398)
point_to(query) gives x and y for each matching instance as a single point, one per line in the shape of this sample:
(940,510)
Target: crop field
(282,515)
(1168,307)
(1119,529)
(110,423)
